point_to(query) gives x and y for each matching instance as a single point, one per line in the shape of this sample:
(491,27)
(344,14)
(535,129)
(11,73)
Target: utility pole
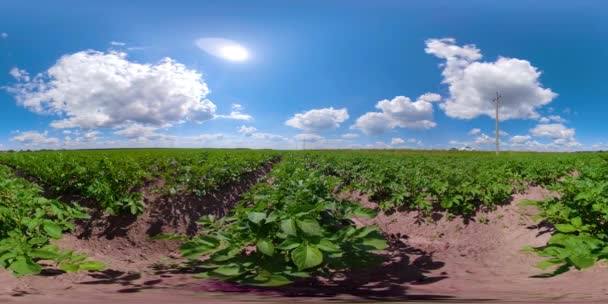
(496,101)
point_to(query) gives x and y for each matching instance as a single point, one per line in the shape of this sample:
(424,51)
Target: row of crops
(114,178)
(293,223)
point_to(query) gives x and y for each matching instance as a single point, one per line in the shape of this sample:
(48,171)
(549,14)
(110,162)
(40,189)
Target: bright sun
(234,53)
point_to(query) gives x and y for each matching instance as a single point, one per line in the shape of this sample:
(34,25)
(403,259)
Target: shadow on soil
(402,266)
(185,210)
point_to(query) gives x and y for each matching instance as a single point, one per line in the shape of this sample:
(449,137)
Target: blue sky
(316,70)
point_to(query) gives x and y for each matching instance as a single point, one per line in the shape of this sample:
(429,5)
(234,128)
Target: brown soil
(436,259)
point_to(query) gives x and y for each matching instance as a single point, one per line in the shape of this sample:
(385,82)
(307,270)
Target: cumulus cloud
(137,131)
(400,112)
(19,74)
(484,139)
(553,131)
(309,137)
(247,130)
(318,120)
(93,89)
(267,136)
(236,114)
(473,84)
(91,135)
(350,135)
(520,139)
(551,118)
(34,138)
(475,131)
(397,141)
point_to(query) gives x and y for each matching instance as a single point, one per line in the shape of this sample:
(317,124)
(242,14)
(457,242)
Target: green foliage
(458,183)
(283,231)
(115,178)
(580,218)
(28,224)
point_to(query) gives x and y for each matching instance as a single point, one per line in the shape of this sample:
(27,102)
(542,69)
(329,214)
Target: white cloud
(20,75)
(399,112)
(267,136)
(473,84)
(484,139)
(430,97)
(309,137)
(117,43)
(4,35)
(236,113)
(137,131)
(104,90)
(397,141)
(553,131)
(552,118)
(475,131)
(350,135)
(520,139)
(247,130)
(318,120)
(34,138)
(92,135)
(67,132)
(206,137)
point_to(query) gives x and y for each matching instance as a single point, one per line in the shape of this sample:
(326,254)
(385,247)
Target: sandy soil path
(439,260)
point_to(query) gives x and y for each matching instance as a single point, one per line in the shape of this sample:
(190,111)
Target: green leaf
(375,243)
(43,254)
(274,280)
(328,246)
(364,212)
(289,227)
(364,231)
(310,227)
(231,270)
(565,228)
(195,248)
(577,222)
(69,267)
(24,266)
(266,247)
(92,266)
(548,263)
(52,229)
(306,256)
(288,244)
(581,261)
(256,217)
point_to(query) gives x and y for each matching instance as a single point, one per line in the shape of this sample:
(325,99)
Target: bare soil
(432,259)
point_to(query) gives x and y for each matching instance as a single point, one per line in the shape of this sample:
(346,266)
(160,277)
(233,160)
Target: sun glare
(234,53)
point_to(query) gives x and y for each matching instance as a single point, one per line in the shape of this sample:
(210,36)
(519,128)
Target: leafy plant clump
(289,229)
(580,218)
(28,224)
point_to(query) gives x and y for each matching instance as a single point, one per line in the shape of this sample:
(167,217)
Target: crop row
(459,184)
(285,230)
(28,224)
(115,178)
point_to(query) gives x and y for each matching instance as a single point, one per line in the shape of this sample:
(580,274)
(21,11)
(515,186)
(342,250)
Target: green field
(295,218)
